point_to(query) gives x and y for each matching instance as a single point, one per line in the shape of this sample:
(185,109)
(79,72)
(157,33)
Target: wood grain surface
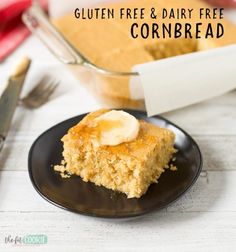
(203,220)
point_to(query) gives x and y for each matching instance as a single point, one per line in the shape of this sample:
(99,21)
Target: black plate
(75,195)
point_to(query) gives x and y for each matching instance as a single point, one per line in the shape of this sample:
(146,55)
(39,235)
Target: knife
(10,96)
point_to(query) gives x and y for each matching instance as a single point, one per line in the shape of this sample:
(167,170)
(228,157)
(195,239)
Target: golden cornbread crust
(128,167)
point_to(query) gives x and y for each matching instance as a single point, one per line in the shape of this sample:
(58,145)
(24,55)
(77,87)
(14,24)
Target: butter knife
(10,96)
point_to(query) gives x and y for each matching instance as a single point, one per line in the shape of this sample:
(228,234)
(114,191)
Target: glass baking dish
(111,88)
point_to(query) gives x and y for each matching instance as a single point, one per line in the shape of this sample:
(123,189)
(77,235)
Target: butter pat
(116,127)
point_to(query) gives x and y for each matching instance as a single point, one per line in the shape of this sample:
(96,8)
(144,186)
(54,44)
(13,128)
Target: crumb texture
(128,167)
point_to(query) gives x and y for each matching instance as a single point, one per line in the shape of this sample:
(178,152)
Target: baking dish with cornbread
(102,52)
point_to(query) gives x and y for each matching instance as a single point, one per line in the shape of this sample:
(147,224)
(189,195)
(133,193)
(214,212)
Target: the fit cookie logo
(163,23)
(32,239)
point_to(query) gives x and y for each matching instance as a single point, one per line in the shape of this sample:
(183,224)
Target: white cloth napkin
(180,81)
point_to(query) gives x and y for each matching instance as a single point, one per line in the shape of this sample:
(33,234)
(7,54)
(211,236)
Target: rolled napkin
(12,30)
(180,81)
(223,3)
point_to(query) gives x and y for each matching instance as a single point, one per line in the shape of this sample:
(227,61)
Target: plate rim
(123,216)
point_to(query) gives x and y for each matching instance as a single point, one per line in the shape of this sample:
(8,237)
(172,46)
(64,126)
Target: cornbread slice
(128,167)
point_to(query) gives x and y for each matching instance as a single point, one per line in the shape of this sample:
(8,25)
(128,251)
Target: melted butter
(107,125)
(96,128)
(103,131)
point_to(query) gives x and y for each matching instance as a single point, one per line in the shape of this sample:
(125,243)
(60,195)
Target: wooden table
(203,220)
